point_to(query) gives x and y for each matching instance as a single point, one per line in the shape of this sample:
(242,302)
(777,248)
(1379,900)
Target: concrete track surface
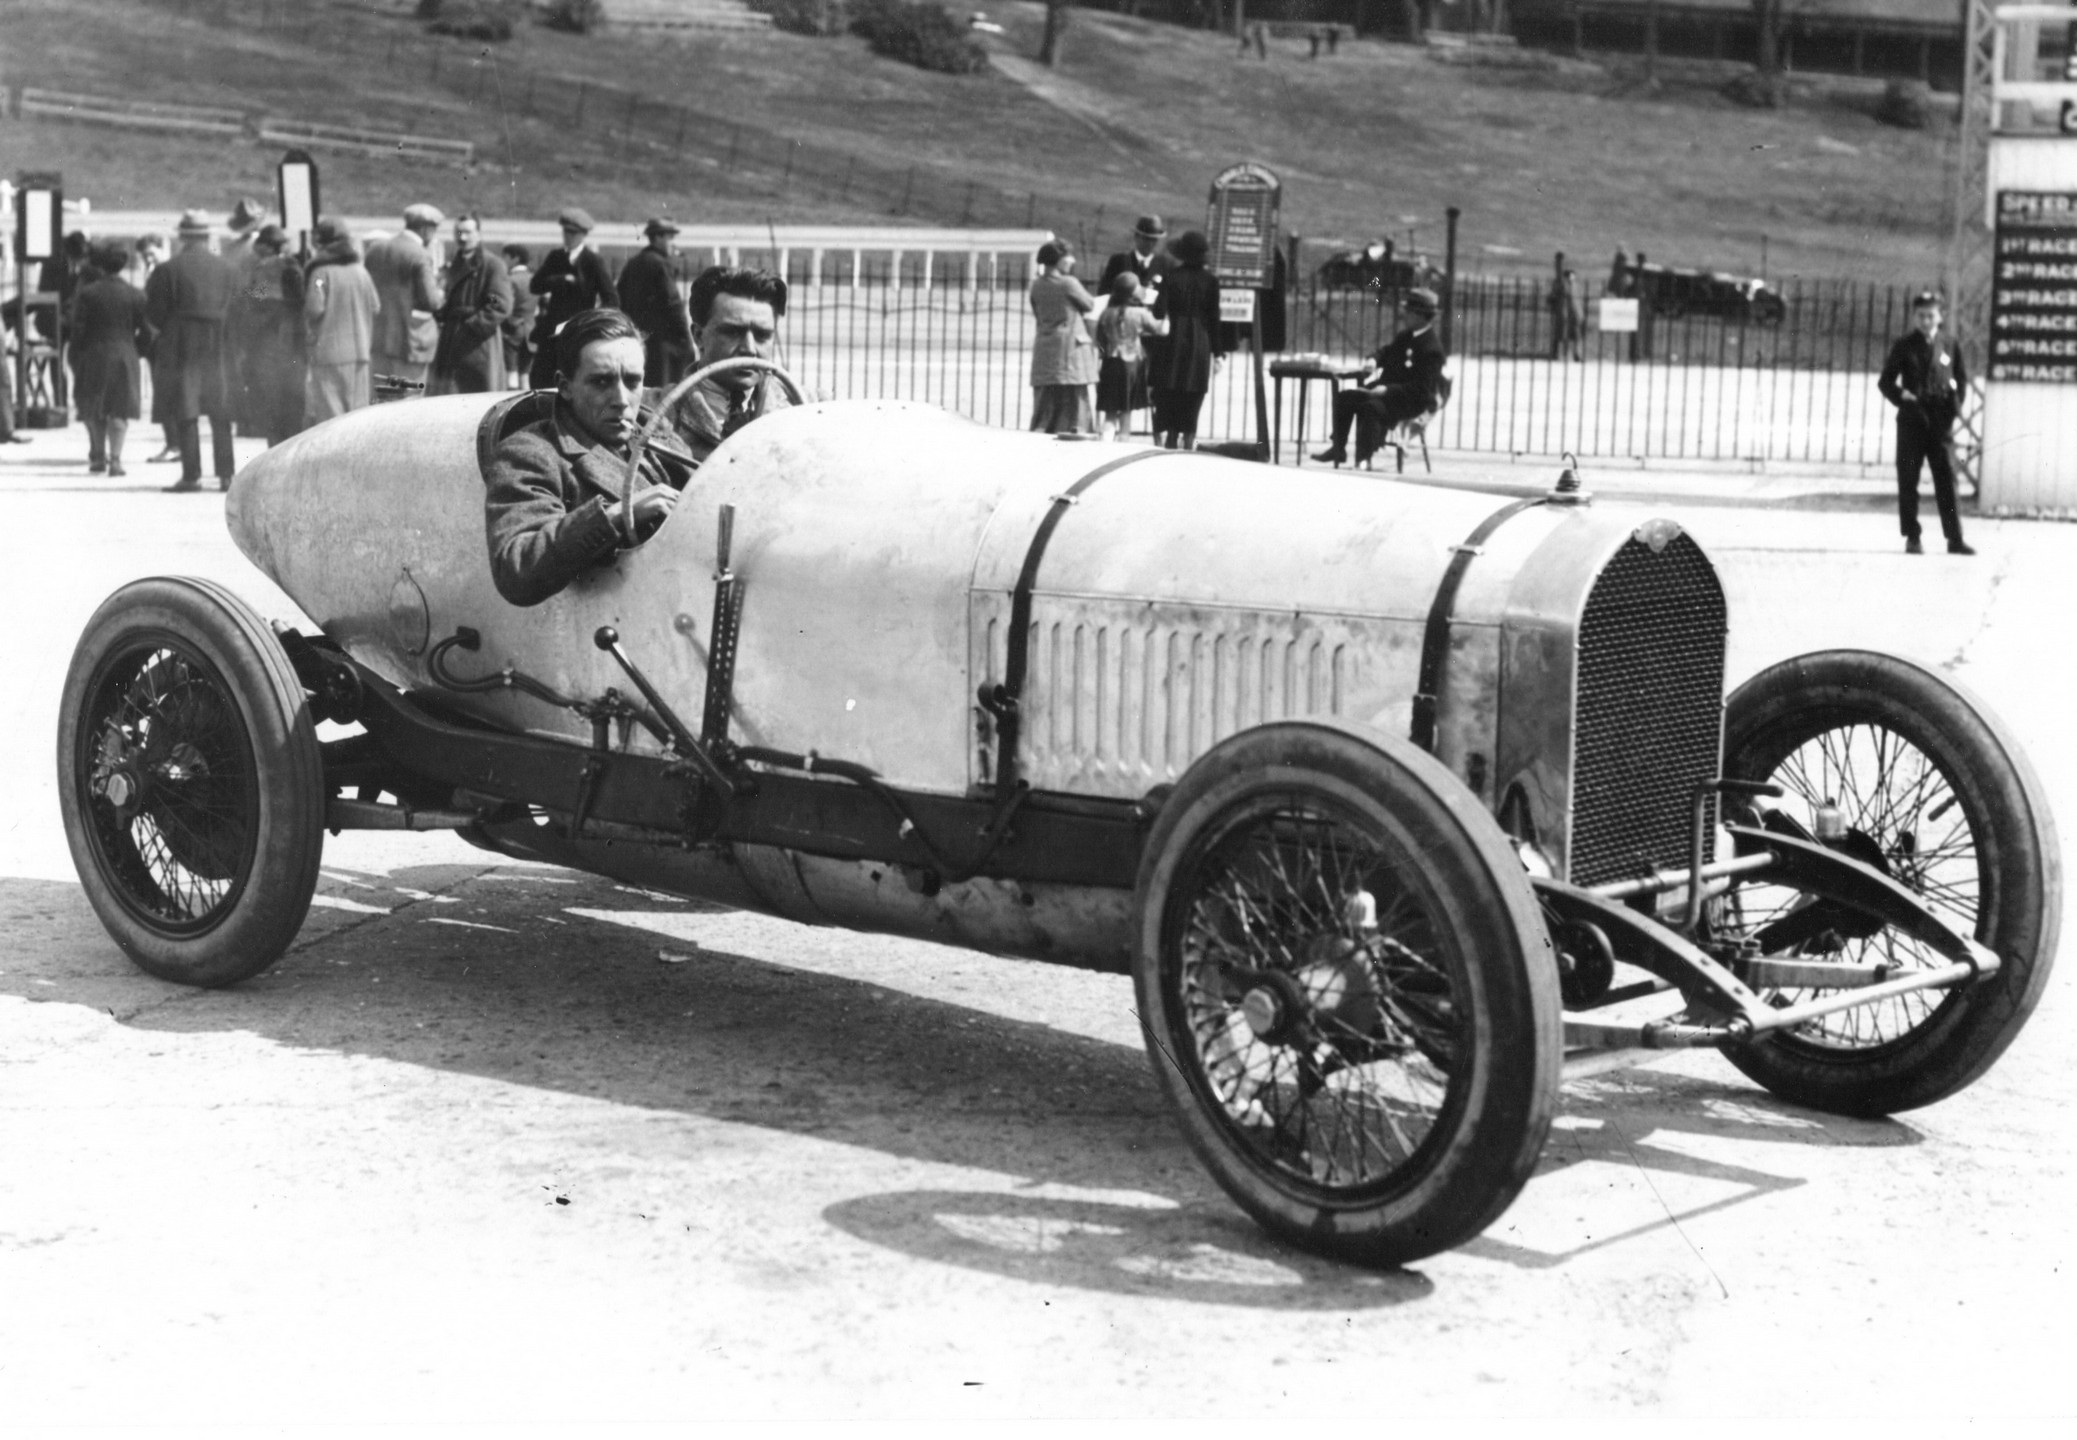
(510,1146)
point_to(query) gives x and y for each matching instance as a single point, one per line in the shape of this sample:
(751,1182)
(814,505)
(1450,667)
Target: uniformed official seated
(1403,382)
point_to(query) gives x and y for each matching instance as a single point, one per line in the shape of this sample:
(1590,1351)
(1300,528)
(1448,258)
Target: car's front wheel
(1347,991)
(191,782)
(1927,786)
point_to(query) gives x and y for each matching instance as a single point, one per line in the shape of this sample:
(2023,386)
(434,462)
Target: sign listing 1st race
(2033,297)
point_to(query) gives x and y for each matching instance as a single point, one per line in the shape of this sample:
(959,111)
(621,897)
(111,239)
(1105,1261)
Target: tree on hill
(1056,31)
(1767,89)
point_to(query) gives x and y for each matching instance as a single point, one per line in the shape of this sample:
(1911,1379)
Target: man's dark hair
(588,327)
(718,280)
(520,253)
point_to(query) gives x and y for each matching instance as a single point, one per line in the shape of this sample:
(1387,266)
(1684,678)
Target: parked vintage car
(1674,293)
(1382,269)
(1397,802)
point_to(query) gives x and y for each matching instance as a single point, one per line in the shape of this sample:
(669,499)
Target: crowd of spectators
(244,328)
(1149,339)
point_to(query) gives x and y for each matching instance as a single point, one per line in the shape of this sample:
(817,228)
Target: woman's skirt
(105,383)
(1061,409)
(1121,385)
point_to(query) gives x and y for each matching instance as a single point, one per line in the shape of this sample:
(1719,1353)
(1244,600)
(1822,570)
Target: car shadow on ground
(446,968)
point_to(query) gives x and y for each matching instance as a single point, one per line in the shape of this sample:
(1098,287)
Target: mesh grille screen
(1649,719)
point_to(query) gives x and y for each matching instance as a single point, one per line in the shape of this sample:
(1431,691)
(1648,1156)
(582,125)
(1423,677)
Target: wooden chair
(1370,437)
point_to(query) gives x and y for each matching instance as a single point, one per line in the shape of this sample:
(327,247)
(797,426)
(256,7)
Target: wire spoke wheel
(1346,991)
(1921,782)
(1325,1038)
(1905,817)
(172,801)
(191,782)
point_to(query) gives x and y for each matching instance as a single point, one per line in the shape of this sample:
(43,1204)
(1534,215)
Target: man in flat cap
(1924,379)
(573,279)
(187,304)
(1404,380)
(407,280)
(1145,261)
(649,295)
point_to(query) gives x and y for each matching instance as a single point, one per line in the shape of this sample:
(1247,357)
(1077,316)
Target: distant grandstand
(1891,38)
(1885,38)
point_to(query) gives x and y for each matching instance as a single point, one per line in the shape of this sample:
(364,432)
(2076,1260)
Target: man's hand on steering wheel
(652,507)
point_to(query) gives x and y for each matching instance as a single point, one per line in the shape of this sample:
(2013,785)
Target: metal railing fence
(1703,387)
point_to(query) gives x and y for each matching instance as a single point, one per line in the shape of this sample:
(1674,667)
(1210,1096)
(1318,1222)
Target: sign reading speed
(2033,288)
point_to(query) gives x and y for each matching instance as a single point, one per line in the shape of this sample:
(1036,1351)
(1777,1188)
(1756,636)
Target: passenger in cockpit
(735,312)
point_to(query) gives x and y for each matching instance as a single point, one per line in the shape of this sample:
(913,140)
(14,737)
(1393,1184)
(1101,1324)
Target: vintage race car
(1398,802)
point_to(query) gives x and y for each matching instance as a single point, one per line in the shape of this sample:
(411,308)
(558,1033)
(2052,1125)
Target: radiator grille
(1650,709)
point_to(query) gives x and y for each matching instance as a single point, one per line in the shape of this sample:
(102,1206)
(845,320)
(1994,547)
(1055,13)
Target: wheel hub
(1331,987)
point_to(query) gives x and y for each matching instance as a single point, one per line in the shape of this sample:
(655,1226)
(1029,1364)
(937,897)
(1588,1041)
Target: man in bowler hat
(187,307)
(1144,261)
(1924,379)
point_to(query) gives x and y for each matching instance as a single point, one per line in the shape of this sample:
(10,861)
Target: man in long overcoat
(649,296)
(471,356)
(407,278)
(271,316)
(187,306)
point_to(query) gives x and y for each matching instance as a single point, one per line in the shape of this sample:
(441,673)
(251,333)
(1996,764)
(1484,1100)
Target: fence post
(1449,272)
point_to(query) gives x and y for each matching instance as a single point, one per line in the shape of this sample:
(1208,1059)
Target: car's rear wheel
(191,782)
(1347,991)
(1931,790)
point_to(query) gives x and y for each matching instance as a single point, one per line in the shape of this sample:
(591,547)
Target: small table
(1304,369)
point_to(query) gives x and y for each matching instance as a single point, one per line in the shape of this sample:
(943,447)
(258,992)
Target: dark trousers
(1386,408)
(666,361)
(1923,440)
(220,444)
(1175,416)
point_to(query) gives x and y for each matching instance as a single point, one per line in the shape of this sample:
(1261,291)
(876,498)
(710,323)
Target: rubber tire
(1506,972)
(266,909)
(2019,914)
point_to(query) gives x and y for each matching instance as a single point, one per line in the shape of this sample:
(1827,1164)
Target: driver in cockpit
(553,503)
(553,506)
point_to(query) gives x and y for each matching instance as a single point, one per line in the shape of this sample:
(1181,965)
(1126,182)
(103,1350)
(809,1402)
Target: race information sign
(1243,224)
(2033,288)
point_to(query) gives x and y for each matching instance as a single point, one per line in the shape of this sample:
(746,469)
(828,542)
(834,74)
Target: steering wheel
(729,366)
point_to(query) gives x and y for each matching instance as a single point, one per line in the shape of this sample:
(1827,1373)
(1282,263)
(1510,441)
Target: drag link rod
(608,640)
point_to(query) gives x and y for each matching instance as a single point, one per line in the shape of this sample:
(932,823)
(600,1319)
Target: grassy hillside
(1382,136)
